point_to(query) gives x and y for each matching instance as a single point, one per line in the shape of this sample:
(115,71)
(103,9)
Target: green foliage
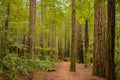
(44,50)
(46,64)
(61,19)
(10,63)
(89,59)
(97,2)
(117,62)
(1,71)
(14,65)
(19,46)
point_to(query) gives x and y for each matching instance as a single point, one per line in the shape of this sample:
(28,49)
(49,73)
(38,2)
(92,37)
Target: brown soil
(62,73)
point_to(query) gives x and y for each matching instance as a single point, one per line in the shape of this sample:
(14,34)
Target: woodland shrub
(14,65)
(46,64)
(10,63)
(42,53)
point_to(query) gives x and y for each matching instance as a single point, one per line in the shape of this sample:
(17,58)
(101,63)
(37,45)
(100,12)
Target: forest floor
(62,73)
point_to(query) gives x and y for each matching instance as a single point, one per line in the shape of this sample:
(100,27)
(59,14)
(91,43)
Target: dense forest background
(38,33)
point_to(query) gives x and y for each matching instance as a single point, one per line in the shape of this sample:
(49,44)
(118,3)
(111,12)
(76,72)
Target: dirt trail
(62,73)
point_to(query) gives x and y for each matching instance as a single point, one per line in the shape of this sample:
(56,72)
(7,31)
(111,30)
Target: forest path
(62,73)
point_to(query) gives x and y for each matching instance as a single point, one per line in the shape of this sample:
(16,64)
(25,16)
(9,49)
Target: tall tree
(73,42)
(67,40)
(66,46)
(31,39)
(80,55)
(110,64)
(99,39)
(86,41)
(60,52)
(41,24)
(53,28)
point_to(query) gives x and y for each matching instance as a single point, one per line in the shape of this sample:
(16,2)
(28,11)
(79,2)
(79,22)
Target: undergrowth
(14,65)
(117,62)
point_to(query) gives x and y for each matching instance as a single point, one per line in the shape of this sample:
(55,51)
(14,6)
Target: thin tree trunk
(41,25)
(86,41)
(60,54)
(53,28)
(31,39)
(67,42)
(80,55)
(65,52)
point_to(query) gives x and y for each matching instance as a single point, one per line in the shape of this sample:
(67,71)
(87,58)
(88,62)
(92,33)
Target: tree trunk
(110,64)
(60,51)
(67,41)
(73,42)
(66,47)
(53,28)
(99,41)
(86,41)
(24,43)
(80,55)
(41,25)
(31,39)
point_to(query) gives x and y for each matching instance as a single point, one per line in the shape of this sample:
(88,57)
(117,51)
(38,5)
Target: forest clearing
(59,39)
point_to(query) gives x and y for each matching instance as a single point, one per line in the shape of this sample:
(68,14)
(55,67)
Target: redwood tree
(86,41)
(110,64)
(80,55)
(73,42)
(99,40)
(31,39)
(41,24)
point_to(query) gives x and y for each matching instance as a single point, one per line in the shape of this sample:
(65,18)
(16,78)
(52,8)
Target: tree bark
(31,39)
(86,41)
(67,41)
(41,25)
(80,55)
(110,64)
(60,54)
(99,40)
(53,28)
(73,42)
